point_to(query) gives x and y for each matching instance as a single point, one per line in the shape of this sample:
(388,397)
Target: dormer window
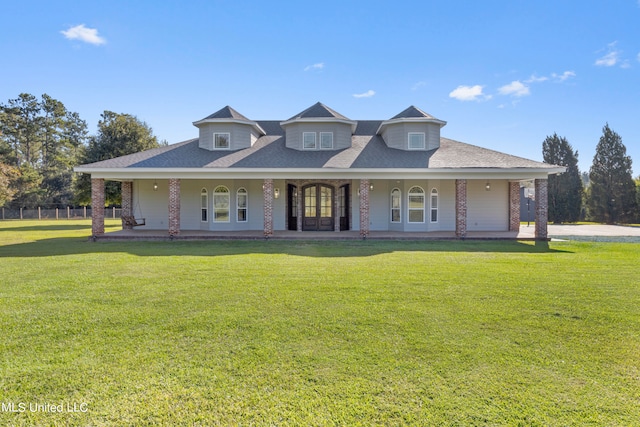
(416,141)
(221,141)
(309,140)
(326,140)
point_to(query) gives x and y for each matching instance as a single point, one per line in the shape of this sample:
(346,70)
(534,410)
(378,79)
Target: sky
(503,74)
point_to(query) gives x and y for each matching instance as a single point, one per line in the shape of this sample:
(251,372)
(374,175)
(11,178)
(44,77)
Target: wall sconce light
(487,186)
(371,187)
(155,186)
(276,193)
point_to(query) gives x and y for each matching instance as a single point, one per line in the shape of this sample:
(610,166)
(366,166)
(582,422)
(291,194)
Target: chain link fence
(57,213)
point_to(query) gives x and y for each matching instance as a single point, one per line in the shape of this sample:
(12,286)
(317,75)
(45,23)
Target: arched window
(204,205)
(221,204)
(242,202)
(396,205)
(434,205)
(416,204)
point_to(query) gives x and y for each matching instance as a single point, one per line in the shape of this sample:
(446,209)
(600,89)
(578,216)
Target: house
(322,171)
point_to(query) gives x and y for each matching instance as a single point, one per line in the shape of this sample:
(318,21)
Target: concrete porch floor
(526,233)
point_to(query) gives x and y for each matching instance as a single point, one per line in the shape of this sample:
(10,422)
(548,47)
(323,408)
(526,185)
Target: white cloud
(418,85)
(468,93)
(515,88)
(611,58)
(367,94)
(318,66)
(564,76)
(536,79)
(84,34)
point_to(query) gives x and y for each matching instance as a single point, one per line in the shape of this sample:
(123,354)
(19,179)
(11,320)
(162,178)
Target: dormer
(227,130)
(412,129)
(318,128)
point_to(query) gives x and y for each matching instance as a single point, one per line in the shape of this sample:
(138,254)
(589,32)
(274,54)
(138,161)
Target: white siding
(152,205)
(341,134)
(242,136)
(487,210)
(397,135)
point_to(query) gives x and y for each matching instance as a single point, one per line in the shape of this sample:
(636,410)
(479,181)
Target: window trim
(434,193)
(226,193)
(321,141)
(410,209)
(204,209)
(215,141)
(242,192)
(315,141)
(424,141)
(399,208)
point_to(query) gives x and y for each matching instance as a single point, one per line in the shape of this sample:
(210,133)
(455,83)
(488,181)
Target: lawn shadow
(307,248)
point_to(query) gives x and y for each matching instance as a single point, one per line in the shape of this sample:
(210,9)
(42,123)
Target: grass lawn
(315,333)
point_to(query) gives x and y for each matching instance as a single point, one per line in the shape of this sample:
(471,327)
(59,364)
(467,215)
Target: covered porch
(358,224)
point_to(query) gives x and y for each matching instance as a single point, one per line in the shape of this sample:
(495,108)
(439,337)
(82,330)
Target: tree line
(610,194)
(41,141)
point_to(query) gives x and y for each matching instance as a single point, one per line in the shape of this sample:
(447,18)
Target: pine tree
(565,190)
(612,191)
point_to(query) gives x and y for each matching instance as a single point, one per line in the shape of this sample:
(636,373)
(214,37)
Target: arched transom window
(416,204)
(242,202)
(221,204)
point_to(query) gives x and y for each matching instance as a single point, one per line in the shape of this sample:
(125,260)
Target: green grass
(316,333)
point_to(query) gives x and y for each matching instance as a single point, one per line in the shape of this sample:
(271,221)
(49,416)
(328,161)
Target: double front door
(318,209)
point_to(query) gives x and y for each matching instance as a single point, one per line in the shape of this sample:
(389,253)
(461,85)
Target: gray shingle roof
(227,113)
(367,150)
(319,110)
(412,112)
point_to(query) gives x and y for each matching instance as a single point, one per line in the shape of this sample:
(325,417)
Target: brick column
(267,191)
(174,207)
(127,203)
(542,206)
(364,208)
(461,208)
(514,206)
(97,207)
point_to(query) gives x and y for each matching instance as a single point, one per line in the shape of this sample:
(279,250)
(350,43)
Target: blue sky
(503,74)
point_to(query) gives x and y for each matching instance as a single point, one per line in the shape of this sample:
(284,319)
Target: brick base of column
(461,208)
(97,207)
(542,209)
(267,191)
(127,203)
(174,207)
(514,206)
(364,208)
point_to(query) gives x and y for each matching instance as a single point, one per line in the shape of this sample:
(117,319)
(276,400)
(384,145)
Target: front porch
(525,233)
(399,209)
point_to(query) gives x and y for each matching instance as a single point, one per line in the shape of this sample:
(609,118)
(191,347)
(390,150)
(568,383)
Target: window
(396,205)
(221,141)
(241,204)
(309,140)
(204,205)
(416,141)
(416,204)
(326,140)
(434,205)
(221,204)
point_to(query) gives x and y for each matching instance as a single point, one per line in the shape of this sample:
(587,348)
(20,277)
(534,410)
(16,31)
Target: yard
(315,333)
